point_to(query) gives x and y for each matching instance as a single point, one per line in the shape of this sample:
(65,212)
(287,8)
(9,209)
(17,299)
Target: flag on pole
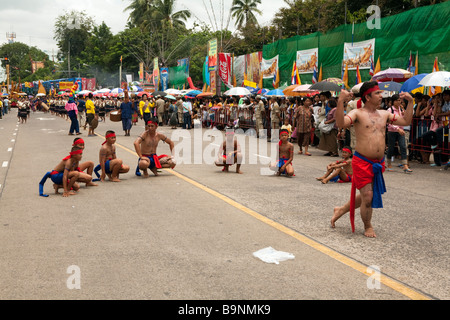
(295,77)
(410,62)
(377,67)
(371,67)
(345,76)
(358,75)
(320,74)
(314,77)
(416,69)
(276,79)
(435,90)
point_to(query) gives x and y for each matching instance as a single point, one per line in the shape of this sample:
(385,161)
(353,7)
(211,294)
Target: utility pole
(68,61)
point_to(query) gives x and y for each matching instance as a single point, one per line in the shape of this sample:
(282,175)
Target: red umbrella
(140,94)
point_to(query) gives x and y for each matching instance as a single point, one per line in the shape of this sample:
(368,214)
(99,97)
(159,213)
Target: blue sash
(379,186)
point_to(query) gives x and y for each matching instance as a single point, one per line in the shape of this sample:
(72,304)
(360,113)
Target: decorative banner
(225,69)
(359,54)
(129,78)
(212,55)
(307,60)
(141,72)
(164,79)
(269,67)
(238,68)
(184,62)
(156,73)
(253,66)
(205,72)
(65,85)
(90,84)
(212,80)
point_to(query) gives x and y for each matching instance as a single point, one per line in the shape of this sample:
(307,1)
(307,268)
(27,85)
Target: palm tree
(244,12)
(156,13)
(140,12)
(163,12)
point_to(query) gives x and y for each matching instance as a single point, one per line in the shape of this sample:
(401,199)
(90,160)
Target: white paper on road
(270,255)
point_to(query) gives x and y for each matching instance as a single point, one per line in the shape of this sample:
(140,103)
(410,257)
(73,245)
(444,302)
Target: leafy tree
(72,31)
(20,56)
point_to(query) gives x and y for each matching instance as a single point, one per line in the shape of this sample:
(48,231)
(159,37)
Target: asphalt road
(190,233)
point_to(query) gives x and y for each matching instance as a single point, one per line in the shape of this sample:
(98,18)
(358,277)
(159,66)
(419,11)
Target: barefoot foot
(336,215)
(370,233)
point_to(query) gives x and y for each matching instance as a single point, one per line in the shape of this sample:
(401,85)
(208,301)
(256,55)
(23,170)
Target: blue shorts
(107,168)
(57,178)
(152,160)
(281,163)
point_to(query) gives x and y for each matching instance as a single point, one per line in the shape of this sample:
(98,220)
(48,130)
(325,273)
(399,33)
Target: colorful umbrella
(392,74)
(390,86)
(194,93)
(412,83)
(116,90)
(204,94)
(337,81)
(275,93)
(141,93)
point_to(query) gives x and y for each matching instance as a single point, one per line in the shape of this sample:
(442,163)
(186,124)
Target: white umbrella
(436,79)
(302,88)
(173,91)
(41,95)
(238,91)
(104,90)
(83,92)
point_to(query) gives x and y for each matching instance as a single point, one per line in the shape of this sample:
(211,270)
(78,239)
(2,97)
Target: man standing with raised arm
(368,161)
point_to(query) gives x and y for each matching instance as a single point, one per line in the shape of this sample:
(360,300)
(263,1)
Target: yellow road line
(395,285)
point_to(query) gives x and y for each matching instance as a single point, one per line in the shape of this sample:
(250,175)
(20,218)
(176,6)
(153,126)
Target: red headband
(73,153)
(149,122)
(110,135)
(369,91)
(78,141)
(347,150)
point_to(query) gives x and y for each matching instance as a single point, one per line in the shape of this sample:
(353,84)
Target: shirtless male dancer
(87,166)
(146,145)
(285,155)
(66,173)
(110,164)
(368,160)
(230,155)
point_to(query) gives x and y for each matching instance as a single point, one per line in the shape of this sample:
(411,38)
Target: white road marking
(5,164)
(9,149)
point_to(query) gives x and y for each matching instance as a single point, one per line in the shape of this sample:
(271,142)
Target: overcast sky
(33,20)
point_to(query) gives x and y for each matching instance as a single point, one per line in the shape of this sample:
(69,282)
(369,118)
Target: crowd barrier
(426,136)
